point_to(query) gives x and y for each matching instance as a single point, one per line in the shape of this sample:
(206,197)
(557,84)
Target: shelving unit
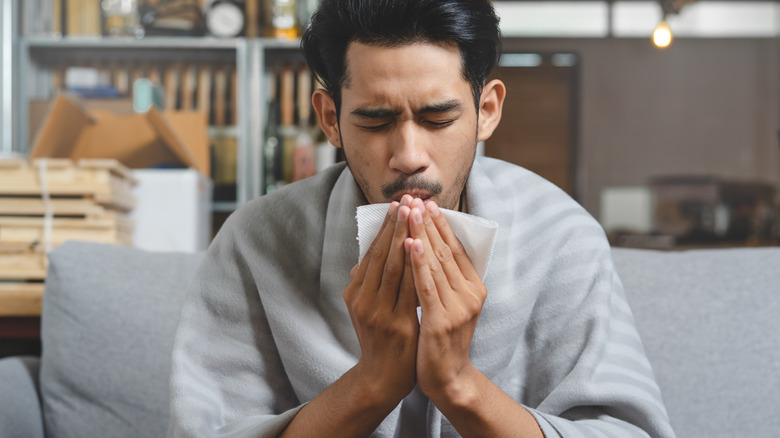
(38,54)
(35,56)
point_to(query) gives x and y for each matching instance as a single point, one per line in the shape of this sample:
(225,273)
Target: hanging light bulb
(662,35)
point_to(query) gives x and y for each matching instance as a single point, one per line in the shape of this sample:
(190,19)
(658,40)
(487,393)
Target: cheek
(455,150)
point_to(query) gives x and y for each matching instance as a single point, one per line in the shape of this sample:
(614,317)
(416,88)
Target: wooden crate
(31,230)
(105,182)
(86,200)
(23,266)
(18,299)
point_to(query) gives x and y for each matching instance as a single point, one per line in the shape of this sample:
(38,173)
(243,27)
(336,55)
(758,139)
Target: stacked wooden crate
(45,203)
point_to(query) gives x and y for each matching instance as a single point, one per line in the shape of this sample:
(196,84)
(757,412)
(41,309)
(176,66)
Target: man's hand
(451,295)
(381,301)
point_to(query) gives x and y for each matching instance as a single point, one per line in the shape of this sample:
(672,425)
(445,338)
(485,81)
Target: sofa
(709,321)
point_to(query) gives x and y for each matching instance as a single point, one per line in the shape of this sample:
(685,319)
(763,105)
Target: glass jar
(121,18)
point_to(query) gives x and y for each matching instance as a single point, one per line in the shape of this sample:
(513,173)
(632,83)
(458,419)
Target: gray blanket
(265,328)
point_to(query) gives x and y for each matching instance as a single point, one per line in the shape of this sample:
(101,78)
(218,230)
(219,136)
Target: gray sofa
(709,321)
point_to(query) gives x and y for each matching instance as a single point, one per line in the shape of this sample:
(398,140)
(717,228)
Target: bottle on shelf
(288,131)
(271,144)
(304,154)
(281,18)
(253,27)
(121,18)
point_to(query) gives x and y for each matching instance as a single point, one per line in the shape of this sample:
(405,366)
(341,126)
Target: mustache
(406,183)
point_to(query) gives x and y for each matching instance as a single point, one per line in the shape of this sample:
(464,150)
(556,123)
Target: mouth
(415,194)
(414,186)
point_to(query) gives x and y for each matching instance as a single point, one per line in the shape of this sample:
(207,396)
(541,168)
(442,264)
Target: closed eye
(439,125)
(374,128)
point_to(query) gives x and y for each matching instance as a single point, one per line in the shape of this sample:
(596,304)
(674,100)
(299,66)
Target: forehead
(418,71)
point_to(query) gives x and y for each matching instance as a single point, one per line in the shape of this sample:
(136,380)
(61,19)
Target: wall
(703,106)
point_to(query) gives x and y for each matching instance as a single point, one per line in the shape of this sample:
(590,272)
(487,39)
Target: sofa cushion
(709,321)
(20,409)
(107,327)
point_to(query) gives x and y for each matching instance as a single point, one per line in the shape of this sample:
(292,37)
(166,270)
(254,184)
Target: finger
(407,296)
(373,263)
(445,236)
(427,254)
(440,249)
(424,283)
(350,291)
(394,263)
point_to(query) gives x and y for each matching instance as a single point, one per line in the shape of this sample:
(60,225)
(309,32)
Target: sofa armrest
(20,409)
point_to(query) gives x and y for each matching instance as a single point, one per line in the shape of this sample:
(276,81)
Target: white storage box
(173,210)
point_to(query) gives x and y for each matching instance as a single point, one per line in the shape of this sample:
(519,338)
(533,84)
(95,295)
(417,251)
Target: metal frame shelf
(34,55)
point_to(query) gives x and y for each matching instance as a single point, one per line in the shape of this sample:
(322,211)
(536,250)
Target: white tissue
(477,235)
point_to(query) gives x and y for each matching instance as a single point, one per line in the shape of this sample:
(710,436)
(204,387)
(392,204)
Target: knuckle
(392,270)
(458,248)
(444,253)
(475,302)
(428,287)
(402,328)
(374,320)
(375,251)
(349,294)
(361,309)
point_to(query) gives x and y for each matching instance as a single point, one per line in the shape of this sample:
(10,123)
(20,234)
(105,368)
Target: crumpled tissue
(478,235)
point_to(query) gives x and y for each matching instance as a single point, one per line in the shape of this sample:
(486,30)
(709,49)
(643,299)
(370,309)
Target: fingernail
(417,215)
(433,209)
(418,246)
(392,209)
(403,213)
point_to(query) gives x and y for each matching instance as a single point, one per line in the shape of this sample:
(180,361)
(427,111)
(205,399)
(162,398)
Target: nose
(409,152)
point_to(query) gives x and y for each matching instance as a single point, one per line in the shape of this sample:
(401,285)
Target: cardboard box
(154,139)
(158,227)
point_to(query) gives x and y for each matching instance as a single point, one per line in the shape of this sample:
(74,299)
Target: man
(285,334)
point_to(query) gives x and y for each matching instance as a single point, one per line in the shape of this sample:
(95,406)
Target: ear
(325,108)
(490,105)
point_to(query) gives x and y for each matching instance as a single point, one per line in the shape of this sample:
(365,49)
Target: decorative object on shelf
(226,18)
(120,18)
(172,18)
(282,18)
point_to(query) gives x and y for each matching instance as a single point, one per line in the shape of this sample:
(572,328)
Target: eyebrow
(380,113)
(374,113)
(441,107)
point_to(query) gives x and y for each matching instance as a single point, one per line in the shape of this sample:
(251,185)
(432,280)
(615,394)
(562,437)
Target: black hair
(471,24)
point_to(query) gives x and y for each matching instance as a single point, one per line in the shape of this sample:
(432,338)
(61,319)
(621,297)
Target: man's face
(408,122)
